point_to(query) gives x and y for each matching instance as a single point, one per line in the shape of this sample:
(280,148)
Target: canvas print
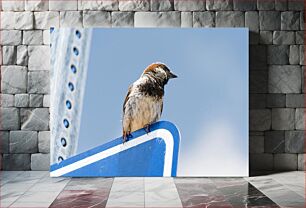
(149,102)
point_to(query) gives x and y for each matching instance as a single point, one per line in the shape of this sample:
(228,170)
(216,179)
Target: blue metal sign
(145,154)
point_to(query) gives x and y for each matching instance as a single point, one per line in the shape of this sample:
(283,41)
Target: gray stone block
(7,20)
(260,119)
(276,100)
(295,100)
(38,82)
(302,56)
(40,161)
(290,21)
(297,5)
(16,162)
(269,20)
(222,5)
(303,78)
(46,101)
(44,141)
(299,37)
(24,20)
(99,5)
(283,37)
(157,19)
(285,162)
(257,101)
(162,5)
(6,100)
(256,144)
(302,21)
(134,5)
(36,100)
(283,118)
(45,20)
(10,119)
(21,100)
(261,162)
(23,142)
(281,5)
(301,162)
(11,37)
(32,37)
(258,57)
(203,19)
(185,6)
(252,21)
(256,133)
(229,19)
(278,54)
(37,5)
(22,55)
(258,82)
(35,119)
(266,37)
(265,5)
(300,119)
(4,141)
(39,58)
(13,79)
(63,5)
(99,19)
(294,141)
(274,141)
(122,19)
(13,5)
(245,5)
(294,54)
(186,19)
(253,38)
(71,19)
(9,55)
(46,37)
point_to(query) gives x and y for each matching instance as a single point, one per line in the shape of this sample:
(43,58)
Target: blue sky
(208,101)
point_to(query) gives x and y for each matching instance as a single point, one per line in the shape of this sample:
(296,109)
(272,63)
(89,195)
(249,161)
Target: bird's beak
(171,75)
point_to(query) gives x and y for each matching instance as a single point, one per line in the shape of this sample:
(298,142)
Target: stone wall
(276,68)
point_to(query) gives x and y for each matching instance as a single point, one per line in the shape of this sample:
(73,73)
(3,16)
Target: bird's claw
(126,136)
(147,128)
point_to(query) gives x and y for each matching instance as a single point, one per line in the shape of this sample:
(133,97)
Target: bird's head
(159,72)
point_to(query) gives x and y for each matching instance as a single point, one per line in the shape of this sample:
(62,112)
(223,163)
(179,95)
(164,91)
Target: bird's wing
(127,97)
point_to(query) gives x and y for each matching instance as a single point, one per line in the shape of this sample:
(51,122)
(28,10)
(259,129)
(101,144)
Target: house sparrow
(143,104)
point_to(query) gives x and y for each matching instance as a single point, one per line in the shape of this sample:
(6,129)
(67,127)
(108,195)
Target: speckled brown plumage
(143,103)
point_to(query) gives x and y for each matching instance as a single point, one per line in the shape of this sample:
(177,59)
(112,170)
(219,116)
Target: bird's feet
(147,128)
(126,135)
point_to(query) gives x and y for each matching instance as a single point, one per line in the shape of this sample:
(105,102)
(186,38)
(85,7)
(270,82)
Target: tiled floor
(37,189)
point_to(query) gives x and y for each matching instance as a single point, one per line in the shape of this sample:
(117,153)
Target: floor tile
(10,187)
(203,193)
(50,184)
(158,183)
(30,205)
(38,196)
(128,184)
(90,184)
(80,199)
(6,176)
(163,198)
(295,181)
(277,192)
(6,202)
(161,192)
(125,199)
(239,193)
